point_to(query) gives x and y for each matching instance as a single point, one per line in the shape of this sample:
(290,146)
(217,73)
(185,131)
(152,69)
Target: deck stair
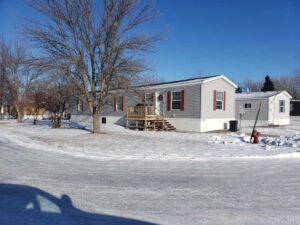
(147,118)
(164,125)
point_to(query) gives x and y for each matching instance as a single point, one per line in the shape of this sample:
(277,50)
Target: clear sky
(238,38)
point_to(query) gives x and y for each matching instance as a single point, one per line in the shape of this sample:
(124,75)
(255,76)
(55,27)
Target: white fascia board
(191,82)
(249,99)
(184,83)
(287,94)
(174,85)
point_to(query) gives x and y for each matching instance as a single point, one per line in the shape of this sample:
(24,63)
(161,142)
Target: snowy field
(120,144)
(71,177)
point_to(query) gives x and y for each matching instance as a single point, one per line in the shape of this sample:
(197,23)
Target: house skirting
(264,123)
(199,125)
(181,124)
(113,120)
(281,122)
(250,123)
(214,124)
(185,124)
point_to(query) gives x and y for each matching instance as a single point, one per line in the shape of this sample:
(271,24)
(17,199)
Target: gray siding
(84,109)
(207,99)
(191,102)
(252,112)
(131,98)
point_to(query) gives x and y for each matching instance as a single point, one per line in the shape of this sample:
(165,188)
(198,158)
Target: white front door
(160,103)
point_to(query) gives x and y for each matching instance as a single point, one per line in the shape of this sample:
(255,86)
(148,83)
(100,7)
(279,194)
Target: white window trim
(282,106)
(175,100)
(79,105)
(219,100)
(148,93)
(118,108)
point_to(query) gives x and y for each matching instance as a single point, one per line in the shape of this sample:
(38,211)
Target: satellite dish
(242,111)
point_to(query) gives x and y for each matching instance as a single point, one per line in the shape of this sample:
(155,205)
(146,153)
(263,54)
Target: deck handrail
(140,111)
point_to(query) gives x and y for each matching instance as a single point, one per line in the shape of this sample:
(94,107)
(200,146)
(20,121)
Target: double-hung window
(119,103)
(176,99)
(219,100)
(79,105)
(148,97)
(281,106)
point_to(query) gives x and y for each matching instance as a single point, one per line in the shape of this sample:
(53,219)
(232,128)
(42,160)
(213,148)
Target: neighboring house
(275,109)
(31,113)
(6,111)
(295,108)
(199,105)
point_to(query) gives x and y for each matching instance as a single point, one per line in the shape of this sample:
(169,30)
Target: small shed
(275,109)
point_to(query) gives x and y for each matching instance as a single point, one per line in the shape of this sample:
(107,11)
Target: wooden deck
(146,118)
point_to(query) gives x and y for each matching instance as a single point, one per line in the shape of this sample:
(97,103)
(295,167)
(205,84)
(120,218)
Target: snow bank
(120,144)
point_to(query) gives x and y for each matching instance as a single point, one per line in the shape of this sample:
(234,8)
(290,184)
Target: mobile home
(197,105)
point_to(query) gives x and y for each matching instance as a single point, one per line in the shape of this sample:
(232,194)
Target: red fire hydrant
(256,136)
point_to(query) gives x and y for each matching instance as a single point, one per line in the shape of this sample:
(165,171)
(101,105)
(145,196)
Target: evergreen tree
(238,90)
(268,85)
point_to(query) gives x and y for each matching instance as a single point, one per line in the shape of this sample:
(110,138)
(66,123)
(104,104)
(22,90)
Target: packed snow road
(42,187)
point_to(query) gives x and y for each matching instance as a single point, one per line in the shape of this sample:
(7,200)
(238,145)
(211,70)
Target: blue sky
(241,39)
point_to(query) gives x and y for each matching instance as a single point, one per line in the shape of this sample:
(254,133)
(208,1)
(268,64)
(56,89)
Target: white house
(275,109)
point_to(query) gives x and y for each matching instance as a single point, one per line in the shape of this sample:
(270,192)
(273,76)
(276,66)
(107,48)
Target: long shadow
(78,126)
(66,123)
(25,205)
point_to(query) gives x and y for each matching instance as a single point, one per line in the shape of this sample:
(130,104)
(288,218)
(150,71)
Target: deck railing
(141,111)
(144,118)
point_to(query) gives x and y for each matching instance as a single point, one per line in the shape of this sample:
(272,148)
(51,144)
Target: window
(219,100)
(148,97)
(103,120)
(176,99)
(119,103)
(247,106)
(281,106)
(79,105)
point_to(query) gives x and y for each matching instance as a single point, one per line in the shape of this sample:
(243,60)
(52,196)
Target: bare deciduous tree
(56,93)
(290,84)
(253,86)
(17,74)
(37,104)
(4,64)
(98,42)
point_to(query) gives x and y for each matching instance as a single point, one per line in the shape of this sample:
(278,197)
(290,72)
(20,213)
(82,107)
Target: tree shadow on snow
(76,125)
(31,206)
(64,123)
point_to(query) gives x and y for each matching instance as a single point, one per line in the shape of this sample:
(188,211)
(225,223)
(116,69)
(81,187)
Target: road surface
(55,188)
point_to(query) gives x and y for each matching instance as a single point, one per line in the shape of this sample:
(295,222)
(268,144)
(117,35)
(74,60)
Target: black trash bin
(233,125)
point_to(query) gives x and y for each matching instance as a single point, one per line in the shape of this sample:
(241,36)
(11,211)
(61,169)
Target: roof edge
(224,77)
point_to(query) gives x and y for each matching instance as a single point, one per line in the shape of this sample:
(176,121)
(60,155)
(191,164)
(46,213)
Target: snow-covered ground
(121,144)
(288,131)
(146,178)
